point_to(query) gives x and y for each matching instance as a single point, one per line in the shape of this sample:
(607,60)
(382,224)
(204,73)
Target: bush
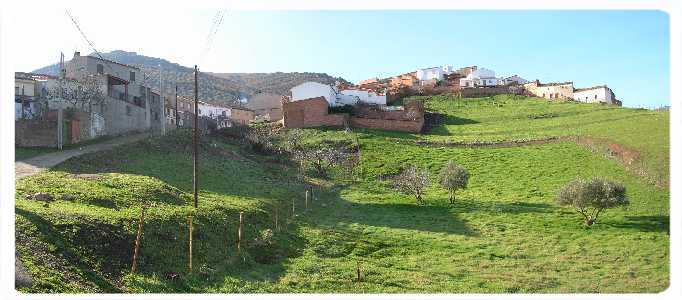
(592,197)
(412,181)
(452,178)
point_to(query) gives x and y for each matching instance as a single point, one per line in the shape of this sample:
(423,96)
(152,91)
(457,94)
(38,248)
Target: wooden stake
(190,243)
(276,220)
(293,208)
(358,271)
(239,232)
(137,241)
(306,199)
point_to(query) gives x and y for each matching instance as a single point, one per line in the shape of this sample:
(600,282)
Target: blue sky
(628,50)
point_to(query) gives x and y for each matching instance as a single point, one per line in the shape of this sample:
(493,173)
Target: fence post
(358,269)
(60,128)
(276,219)
(137,241)
(306,199)
(239,231)
(190,243)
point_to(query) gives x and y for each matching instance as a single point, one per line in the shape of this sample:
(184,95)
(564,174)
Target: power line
(217,21)
(75,23)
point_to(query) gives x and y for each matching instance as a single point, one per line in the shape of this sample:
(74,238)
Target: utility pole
(162,102)
(177,125)
(196,135)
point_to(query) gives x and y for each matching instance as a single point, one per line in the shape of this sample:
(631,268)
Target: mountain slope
(220,88)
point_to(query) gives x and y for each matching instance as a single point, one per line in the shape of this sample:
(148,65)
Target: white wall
(311,89)
(212,111)
(365,96)
(600,94)
(430,73)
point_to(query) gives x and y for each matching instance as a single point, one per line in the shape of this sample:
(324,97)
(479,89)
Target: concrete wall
(266,104)
(122,117)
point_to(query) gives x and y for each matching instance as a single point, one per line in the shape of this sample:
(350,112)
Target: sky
(627,50)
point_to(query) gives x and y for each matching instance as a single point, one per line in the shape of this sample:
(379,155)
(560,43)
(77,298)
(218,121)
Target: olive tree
(592,197)
(412,181)
(452,178)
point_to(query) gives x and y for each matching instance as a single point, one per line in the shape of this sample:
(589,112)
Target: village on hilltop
(93,97)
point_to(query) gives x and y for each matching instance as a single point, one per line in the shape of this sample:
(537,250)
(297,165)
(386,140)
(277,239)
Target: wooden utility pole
(177,118)
(196,136)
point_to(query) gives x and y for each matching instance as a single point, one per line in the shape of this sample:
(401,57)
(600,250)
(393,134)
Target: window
(128,110)
(156,116)
(100,69)
(132,76)
(595,96)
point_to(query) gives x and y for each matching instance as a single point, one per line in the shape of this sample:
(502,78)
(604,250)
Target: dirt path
(39,163)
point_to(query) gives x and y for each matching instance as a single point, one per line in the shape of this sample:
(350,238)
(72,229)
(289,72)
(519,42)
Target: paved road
(39,163)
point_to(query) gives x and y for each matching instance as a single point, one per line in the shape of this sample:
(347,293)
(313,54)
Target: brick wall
(312,112)
(35,133)
(315,112)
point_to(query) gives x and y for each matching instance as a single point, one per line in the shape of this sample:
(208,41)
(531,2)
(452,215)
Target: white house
(213,111)
(349,96)
(595,94)
(479,77)
(312,89)
(363,96)
(513,79)
(434,73)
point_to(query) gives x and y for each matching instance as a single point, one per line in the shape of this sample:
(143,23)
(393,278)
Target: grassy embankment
(503,234)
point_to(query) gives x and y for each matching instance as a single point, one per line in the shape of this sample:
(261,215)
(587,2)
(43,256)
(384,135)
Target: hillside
(504,233)
(214,87)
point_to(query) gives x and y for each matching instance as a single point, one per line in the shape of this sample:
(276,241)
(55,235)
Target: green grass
(503,234)
(505,117)
(22,153)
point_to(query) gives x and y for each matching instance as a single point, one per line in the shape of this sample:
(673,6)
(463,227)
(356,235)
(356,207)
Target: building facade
(596,94)
(266,105)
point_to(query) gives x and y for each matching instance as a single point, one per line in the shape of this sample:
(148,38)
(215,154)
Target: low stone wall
(35,133)
(388,124)
(490,91)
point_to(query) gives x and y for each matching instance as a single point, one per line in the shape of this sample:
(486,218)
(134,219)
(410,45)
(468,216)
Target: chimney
(76,54)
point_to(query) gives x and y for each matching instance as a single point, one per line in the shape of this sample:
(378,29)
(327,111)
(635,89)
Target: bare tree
(412,181)
(82,94)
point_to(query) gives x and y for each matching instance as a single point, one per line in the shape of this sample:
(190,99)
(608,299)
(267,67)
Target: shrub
(412,181)
(592,197)
(324,159)
(452,178)
(260,141)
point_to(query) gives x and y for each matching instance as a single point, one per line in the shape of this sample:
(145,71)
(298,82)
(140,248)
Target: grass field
(503,234)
